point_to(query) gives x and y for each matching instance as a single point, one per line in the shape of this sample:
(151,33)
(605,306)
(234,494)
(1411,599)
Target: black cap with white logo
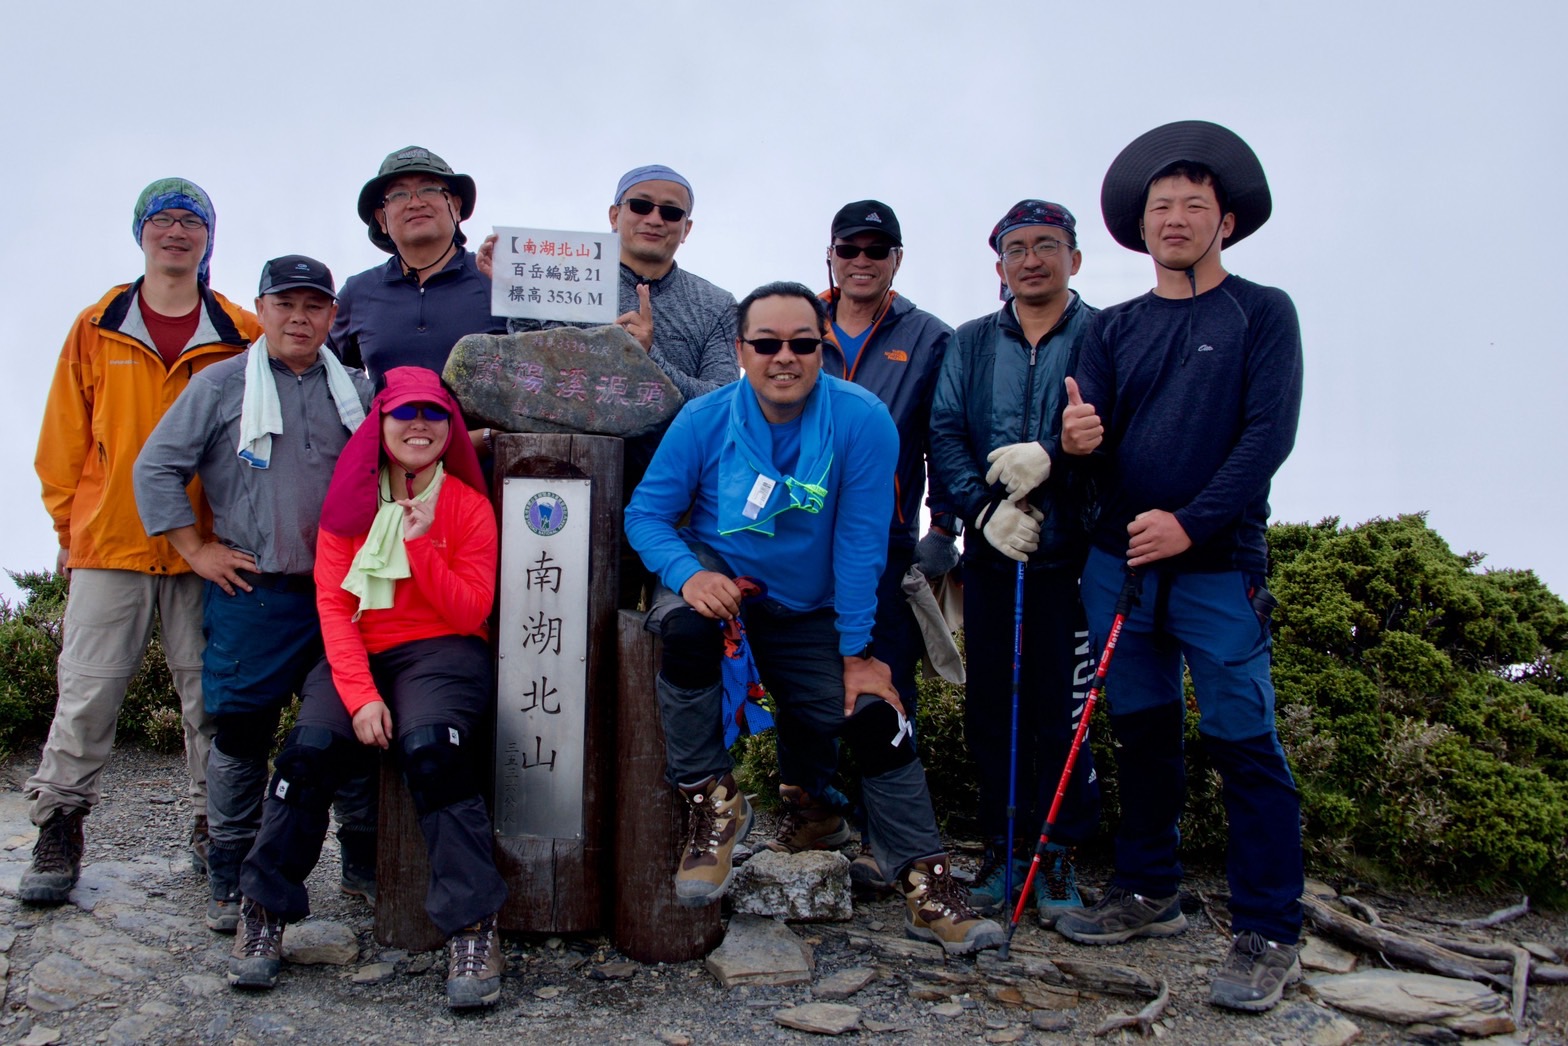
(295,271)
(867,216)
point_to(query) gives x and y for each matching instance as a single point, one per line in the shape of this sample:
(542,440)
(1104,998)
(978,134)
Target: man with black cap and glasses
(996,419)
(1188,398)
(430,293)
(263,430)
(889,347)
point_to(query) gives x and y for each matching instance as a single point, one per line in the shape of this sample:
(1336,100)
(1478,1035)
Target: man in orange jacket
(126,359)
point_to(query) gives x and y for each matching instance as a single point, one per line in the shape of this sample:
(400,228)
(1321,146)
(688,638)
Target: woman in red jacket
(405,579)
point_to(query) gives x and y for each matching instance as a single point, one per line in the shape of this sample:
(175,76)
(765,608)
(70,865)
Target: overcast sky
(1415,152)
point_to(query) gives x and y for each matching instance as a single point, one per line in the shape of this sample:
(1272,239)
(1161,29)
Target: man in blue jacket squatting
(1195,390)
(787,479)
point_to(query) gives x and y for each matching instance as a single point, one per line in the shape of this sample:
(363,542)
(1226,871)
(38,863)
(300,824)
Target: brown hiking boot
(808,825)
(475,962)
(198,844)
(258,948)
(57,859)
(937,909)
(865,876)
(720,818)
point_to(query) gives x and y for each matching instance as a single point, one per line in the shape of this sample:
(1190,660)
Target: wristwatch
(865,654)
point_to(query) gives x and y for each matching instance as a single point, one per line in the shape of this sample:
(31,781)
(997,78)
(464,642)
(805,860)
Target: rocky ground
(129,960)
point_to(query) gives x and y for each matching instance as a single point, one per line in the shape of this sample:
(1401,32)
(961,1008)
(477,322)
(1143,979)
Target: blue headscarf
(168,193)
(654,172)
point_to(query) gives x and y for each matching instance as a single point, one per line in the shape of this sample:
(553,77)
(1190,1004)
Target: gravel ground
(131,961)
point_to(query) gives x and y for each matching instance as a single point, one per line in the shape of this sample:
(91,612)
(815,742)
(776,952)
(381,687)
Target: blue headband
(654,172)
(168,193)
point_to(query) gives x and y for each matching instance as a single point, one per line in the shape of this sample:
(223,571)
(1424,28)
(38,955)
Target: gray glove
(1013,531)
(936,554)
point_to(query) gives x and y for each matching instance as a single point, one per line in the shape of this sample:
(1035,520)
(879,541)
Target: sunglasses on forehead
(410,411)
(667,212)
(771,346)
(876,252)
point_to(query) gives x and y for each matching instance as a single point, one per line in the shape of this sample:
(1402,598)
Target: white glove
(1013,531)
(1022,466)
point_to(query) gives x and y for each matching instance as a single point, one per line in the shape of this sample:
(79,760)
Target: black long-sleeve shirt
(1200,399)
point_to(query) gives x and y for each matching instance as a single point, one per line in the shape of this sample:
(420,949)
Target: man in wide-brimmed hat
(1191,393)
(410,311)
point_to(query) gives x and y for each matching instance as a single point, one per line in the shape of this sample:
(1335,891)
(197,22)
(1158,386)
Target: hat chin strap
(1188,268)
(415,271)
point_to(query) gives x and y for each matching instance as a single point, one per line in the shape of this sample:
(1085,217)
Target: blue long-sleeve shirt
(1200,398)
(830,558)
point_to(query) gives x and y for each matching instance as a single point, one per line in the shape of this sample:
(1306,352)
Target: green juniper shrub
(1422,703)
(29,647)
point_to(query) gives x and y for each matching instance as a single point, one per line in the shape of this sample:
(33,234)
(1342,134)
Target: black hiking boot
(57,859)
(359,864)
(258,948)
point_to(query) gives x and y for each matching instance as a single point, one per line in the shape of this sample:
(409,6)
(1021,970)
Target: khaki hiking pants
(108,624)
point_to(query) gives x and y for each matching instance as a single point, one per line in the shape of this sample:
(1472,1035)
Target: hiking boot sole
(696,893)
(471,993)
(253,974)
(978,940)
(1220,995)
(359,889)
(45,889)
(1166,928)
(224,918)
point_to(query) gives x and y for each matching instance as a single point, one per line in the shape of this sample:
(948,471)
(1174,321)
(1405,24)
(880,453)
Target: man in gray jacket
(264,431)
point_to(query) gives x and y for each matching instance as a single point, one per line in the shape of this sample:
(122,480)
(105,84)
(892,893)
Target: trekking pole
(1012,746)
(1125,601)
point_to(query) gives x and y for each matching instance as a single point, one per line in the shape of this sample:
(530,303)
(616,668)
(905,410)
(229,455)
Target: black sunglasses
(876,252)
(771,346)
(410,411)
(666,211)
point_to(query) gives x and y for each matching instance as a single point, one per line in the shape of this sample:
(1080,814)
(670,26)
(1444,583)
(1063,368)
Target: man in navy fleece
(788,479)
(1190,394)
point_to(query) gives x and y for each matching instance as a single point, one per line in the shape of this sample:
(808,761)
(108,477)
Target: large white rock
(320,941)
(812,886)
(1417,998)
(760,951)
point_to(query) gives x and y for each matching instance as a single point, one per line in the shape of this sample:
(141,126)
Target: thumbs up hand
(1081,428)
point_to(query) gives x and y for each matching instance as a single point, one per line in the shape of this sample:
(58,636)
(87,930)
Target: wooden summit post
(650,820)
(558,498)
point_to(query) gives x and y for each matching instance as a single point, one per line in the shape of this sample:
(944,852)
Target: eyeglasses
(876,252)
(428,193)
(667,212)
(1046,248)
(771,346)
(166,221)
(410,411)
